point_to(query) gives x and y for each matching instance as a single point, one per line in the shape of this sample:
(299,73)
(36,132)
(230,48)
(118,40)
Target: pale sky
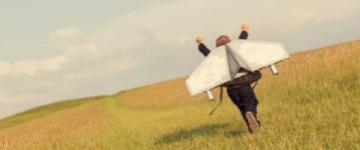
(56,50)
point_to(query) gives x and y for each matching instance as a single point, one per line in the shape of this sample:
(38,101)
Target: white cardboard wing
(212,72)
(219,66)
(254,55)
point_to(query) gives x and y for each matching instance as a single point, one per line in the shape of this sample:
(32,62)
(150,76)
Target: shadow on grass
(184,134)
(236,133)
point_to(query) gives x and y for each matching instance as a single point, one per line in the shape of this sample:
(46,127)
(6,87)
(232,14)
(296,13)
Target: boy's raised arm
(202,47)
(244,33)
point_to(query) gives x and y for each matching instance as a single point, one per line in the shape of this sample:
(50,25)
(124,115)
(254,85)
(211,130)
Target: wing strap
(220,100)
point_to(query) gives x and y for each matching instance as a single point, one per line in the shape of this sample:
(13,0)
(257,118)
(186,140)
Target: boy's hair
(222,40)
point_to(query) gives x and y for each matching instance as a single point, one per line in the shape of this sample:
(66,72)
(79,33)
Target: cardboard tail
(274,70)
(210,95)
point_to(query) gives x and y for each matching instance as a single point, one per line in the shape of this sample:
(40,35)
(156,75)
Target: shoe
(253,123)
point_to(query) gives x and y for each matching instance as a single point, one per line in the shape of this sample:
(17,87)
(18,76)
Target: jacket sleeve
(244,35)
(203,49)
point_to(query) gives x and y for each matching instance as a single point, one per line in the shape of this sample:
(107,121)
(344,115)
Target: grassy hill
(313,104)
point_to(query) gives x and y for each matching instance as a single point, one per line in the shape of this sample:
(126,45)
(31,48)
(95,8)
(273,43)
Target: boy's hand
(245,27)
(199,39)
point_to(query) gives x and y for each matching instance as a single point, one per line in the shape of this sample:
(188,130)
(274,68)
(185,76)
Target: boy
(239,90)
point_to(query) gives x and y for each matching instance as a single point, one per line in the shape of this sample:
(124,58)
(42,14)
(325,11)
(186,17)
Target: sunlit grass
(313,104)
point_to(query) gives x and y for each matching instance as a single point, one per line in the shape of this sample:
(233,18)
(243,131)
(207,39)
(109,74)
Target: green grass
(313,104)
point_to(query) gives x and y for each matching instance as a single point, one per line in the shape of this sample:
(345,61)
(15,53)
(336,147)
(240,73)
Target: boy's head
(222,40)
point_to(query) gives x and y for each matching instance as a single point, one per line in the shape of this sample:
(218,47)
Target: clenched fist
(245,27)
(199,39)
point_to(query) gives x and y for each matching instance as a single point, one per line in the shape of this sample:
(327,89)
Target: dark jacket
(203,49)
(244,35)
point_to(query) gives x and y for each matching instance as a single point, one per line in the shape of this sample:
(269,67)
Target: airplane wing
(223,63)
(254,55)
(233,65)
(212,72)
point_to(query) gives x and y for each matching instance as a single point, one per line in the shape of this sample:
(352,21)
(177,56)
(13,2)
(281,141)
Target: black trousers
(244,98)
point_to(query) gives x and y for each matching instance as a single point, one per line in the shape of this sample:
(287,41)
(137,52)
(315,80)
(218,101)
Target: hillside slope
(314,103)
